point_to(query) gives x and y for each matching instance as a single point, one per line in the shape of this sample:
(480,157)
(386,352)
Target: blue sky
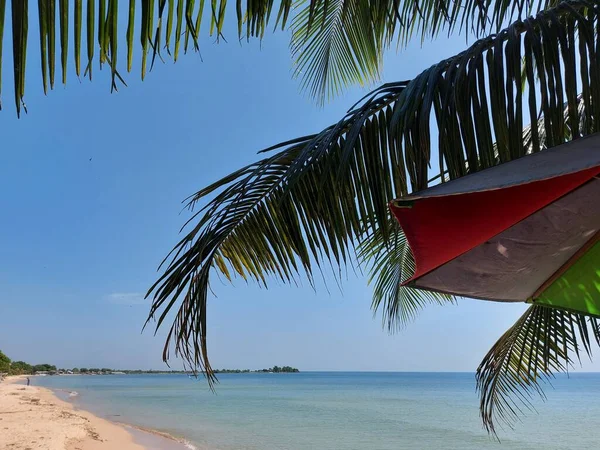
(91,186)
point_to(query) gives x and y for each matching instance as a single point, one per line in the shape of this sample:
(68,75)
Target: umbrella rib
(567,265)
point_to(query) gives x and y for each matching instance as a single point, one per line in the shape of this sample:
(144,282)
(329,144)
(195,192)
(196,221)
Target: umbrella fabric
(578,289)
(516,232)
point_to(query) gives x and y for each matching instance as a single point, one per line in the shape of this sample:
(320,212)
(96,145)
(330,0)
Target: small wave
(65,394)
(188,444)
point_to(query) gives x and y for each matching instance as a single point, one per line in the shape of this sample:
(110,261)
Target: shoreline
(34,417)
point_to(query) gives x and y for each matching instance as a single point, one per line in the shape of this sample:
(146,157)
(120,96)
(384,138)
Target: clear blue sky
(91,186)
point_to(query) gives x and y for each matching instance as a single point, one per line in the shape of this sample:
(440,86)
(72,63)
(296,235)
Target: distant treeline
(274,369)
(22,368)
(284,369)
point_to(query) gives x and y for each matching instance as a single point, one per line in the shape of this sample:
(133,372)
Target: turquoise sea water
(332,410)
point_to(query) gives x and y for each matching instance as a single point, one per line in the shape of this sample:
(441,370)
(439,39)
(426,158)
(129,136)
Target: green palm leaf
(154,24)
(336,42)
(390,263)
(542,342)
(335,45)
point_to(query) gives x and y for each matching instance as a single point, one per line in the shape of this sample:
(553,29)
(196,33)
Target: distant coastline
(84,371)
(8,367)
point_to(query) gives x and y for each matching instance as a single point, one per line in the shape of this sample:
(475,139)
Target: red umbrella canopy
(523,231)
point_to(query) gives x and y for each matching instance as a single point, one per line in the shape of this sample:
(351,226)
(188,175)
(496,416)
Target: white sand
(33,418)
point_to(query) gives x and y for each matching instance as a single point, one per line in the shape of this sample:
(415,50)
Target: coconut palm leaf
(311,200)
(161,26)
(541,131)
(336,43)
(390,263)
(542,342)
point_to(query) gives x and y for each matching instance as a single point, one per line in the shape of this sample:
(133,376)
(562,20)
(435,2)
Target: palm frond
(316,197)
(542,342)
(335,46)
(528,132)
(338,43)
(153,21)
(270,219)
(390,263)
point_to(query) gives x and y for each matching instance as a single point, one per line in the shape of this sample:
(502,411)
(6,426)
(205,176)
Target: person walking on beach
(28,381)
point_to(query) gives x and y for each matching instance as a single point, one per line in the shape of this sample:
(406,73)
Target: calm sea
(333,410)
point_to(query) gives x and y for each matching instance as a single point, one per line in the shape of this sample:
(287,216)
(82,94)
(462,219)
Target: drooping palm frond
(541,131)
(96,25)
(337,43)
(318,196)
(542,342)
(390,263)
(270,219)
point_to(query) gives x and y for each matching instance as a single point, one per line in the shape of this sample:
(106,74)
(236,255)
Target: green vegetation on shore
(4,363)
(23,368)
(284,369)
(274,369)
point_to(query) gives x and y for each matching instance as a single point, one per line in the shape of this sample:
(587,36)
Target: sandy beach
(33,418)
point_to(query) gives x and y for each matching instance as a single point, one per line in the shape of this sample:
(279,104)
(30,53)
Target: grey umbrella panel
(581,154)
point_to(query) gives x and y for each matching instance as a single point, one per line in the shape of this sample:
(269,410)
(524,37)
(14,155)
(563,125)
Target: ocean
(335,410)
